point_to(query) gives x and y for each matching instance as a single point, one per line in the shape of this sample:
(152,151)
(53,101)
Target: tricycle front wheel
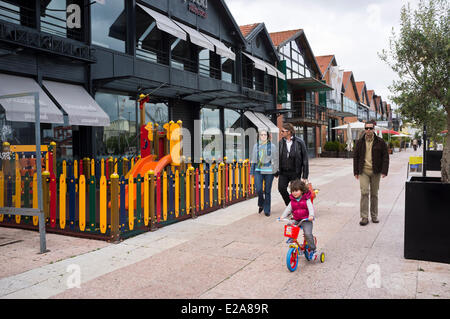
(292,259)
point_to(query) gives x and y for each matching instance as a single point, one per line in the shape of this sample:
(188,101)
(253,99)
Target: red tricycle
(295,249)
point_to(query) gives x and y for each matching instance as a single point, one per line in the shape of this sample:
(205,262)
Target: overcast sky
(353,30)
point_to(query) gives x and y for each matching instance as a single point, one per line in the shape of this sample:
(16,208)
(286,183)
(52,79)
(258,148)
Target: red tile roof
(346,78)
(323,62)
(247,29)
(280,37)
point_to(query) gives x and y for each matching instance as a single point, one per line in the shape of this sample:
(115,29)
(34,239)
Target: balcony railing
(308,112)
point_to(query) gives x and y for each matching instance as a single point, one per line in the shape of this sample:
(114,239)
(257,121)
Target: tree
(419,55)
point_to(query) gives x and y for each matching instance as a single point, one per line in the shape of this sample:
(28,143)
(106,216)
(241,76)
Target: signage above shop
(198,7)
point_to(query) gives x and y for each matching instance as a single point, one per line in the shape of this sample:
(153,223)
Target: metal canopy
(310,83)
(79,105)
(21,109)
(221,49)
(196,37)
(164,23)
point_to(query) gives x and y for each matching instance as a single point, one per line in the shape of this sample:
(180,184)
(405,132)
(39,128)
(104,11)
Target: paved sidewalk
(237,253)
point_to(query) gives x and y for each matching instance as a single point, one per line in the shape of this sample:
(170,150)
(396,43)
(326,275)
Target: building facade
(187,55)
(303,86)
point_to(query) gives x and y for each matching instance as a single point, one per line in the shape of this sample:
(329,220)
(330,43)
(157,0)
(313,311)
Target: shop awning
(78,104)
(256,121)
(311,84)
(165,24)
(272,127)
(266,67)
(22,109)
(221,49)
(196,37)
(259,64)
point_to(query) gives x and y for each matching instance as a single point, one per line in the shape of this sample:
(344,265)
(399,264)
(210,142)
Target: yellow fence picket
(18,196)
(35,199)
(177,193)
(103,205)
(202,185)
(82,201)
(130,202)
(62,201)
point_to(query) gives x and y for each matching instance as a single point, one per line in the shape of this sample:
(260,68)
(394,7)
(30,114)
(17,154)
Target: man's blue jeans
(264,196)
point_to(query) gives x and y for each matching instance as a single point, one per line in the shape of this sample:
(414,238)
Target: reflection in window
(181,53)
(209,64)
(24,14)
(227,70)
(109,24)
(62,136)
(233,136)
(212,143)
(119,138)
(53,19)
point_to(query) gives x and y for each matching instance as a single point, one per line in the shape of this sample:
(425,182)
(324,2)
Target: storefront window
(212,142)
(234,135)
(227,70)
(109,27)
(120,138)
(181,56)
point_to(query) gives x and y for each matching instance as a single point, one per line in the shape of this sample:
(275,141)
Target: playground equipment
(96,198)
(159,149)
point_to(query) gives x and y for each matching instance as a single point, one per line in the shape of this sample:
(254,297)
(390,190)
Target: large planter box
(434,160)
(427,219)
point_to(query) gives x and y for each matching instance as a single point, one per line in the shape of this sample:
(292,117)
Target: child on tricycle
(302,211)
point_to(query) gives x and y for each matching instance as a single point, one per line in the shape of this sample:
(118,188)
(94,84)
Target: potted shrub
(421,44)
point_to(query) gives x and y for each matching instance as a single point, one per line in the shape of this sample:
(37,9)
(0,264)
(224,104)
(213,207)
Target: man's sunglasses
(369,128)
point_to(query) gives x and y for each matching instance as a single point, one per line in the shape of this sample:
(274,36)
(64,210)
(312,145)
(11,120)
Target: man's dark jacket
(380,156)
(301,156)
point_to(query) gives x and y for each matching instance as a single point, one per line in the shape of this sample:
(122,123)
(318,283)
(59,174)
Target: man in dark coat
(293,162)
(370,163)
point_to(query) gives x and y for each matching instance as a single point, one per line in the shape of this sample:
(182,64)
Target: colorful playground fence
(87,198)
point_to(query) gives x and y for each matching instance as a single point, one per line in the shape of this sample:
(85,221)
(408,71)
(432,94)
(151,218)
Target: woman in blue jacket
(264,165)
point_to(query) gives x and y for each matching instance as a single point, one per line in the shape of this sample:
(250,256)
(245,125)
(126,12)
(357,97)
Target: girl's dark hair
(298,185)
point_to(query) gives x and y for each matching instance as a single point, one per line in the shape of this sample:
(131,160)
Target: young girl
(301,207)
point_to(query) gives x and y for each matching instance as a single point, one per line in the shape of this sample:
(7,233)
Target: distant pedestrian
(414,144)
(370,163)
(294,162)
(264,165)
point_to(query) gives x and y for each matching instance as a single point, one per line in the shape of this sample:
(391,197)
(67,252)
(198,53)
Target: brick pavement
(237,253)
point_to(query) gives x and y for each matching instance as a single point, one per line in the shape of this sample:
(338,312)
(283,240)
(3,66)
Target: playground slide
(141,168)
(146,164)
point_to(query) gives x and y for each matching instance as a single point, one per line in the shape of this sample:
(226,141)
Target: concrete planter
(427,219)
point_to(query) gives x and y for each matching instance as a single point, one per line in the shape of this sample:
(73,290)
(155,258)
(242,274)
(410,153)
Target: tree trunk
(445,162)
